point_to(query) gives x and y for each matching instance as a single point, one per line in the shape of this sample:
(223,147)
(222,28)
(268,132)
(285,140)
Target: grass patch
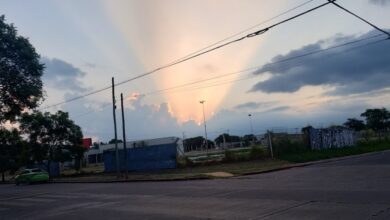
(236,168)
(313,155)
(200,172)
(253,153)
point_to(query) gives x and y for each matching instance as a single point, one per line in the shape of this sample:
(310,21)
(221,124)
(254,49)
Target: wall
(331,138)
(156,157)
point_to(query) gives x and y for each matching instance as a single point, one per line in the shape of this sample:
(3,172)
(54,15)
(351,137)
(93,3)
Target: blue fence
(54,167)
(147,158)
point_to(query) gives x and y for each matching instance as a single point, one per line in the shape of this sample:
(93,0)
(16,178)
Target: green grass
(239,162)
(237,168)
(313,155)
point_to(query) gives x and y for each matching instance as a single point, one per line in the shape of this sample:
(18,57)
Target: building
(94,155)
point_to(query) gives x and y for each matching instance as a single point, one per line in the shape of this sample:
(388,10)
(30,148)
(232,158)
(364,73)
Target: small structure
(335,137)
(151,154)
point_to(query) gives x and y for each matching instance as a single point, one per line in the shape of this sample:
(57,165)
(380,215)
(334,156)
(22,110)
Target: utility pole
(204,121)
(184,146)
(224,140)
(115,137)
(253,135)
(124,138)
(270,144)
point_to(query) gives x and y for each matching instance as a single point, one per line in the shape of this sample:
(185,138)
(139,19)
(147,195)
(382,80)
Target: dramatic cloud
(364,69)
(278,109)
(62,75)
(253,105)
(380,2)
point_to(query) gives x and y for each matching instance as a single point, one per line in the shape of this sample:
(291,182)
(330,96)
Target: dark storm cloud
(62,75)
(349,71)
(380,2)
(253,105)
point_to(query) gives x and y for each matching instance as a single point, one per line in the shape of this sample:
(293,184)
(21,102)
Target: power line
(245,30)
(359,17)
(157,92)
(253,34)
(272,63)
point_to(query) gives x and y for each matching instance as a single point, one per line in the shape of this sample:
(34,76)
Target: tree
(77,153)
(355,124)
(20,73)
(10,146)
(377,119)
(52,135)
(228,138)
(248,139)
(197,142)
(112,141)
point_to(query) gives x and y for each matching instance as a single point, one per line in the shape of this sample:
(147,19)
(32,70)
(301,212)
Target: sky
(84,43)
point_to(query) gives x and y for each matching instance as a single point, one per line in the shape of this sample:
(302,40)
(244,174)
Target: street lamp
(204,121)
(253,135)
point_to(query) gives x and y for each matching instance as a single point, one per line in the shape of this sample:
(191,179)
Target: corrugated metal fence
(146,158)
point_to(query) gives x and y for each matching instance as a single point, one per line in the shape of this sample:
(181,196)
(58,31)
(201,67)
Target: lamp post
(253,135)
(204,121)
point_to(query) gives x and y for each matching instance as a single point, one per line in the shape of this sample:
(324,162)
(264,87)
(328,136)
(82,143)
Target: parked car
(31,176)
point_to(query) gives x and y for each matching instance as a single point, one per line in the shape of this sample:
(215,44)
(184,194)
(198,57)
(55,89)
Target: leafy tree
(377,119)
(228,138)
(10,146)
(95,145)
(20,73)
(52,136)
(197,142)
(355,124)
(248,139)
(112,141)
(77,153)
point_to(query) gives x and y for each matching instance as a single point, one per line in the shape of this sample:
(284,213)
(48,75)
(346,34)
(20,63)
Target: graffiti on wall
(331,138)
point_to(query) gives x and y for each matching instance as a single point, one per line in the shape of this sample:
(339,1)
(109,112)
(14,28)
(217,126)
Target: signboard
(87,142)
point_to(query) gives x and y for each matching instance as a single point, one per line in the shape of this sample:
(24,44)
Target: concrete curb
(139,180)
(297,165)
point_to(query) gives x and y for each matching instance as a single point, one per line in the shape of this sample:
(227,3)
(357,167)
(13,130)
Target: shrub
(257,153)
(283,145)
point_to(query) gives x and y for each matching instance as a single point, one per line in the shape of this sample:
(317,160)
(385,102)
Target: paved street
(356,188)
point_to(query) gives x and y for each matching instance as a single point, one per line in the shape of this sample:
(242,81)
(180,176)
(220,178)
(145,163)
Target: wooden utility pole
(270,144)
(205,128)
(224,140)
(115,137)
(124,139)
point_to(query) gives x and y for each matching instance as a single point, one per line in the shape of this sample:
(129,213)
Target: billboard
(87,142)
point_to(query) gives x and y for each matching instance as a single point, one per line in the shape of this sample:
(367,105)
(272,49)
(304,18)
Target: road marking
(60,196)
(36,200)
(19,204)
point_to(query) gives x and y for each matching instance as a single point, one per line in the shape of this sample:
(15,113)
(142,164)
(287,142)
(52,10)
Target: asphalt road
(357,188)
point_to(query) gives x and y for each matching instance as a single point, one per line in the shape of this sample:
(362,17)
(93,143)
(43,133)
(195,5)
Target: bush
(256,153)
(183,161)
(283,145)
(229,156)
(362,147)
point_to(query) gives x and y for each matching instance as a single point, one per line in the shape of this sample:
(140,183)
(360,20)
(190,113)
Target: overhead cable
(253,34)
